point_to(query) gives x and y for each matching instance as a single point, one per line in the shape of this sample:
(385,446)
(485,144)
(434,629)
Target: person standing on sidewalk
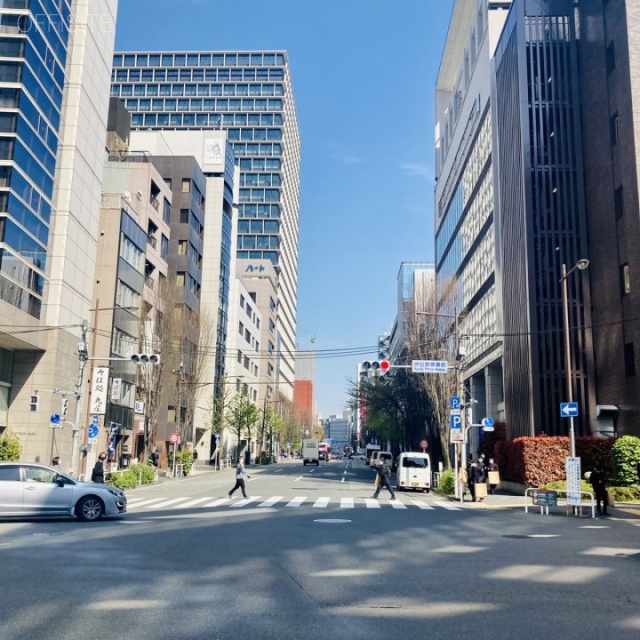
(240,476)
(600,489)
(384,476)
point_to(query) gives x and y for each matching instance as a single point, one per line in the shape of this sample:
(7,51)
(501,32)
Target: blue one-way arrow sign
(568,409)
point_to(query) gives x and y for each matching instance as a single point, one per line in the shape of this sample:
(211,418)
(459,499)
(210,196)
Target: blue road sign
(456,422)
(95,420)
(454,402)
(488,422)
(93,431)
(55,418)
(568,409)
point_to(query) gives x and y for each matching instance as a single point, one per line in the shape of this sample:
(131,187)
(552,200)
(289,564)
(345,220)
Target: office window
(614,130)
(183,247)
(625,282)
(184,216)
(629,360)
(164,247)
(611,57)
(180,279)
(619,202)
(240,328)
(239,356)
(186,186)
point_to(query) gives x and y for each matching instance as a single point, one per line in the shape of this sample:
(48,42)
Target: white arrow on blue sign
(488,423)
(55,419)
(568,409)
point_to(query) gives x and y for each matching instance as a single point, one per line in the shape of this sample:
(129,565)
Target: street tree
(241,417)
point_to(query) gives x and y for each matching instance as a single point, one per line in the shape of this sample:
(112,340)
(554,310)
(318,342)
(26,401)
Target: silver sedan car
(30,489)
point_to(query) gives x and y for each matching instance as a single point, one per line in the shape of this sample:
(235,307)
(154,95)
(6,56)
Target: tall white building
(464,195)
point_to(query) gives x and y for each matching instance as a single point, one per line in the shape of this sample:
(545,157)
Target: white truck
(310,452)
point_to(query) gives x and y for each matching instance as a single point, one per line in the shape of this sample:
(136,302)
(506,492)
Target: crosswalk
(211,502)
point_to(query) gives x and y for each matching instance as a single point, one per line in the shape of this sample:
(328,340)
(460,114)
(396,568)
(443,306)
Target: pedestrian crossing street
(210,502)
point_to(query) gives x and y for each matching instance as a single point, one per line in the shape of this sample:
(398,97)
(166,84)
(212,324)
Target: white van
(373,460)
(414,471)
(388,458)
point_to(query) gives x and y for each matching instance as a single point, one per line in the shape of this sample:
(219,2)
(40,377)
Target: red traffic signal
(376,365)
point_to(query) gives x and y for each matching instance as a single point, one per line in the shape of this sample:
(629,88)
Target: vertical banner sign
(99,383)
(116,389)
(573,482)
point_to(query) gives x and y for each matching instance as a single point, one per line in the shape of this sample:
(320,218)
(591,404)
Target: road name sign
(568,409)
(429,366)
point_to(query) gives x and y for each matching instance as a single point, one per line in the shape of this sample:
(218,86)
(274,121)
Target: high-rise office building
(250,95)
(541,220)
(464,197)
(54,90)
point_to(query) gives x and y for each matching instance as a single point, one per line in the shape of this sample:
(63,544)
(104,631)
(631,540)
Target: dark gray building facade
(542,218)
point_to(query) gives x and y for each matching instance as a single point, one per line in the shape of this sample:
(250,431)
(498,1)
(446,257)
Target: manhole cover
(515,535)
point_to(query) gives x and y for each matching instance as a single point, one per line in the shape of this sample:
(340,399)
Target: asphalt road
(185,564)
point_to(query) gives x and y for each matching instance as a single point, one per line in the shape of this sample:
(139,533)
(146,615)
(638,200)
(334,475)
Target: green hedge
(133,476)
(626,454)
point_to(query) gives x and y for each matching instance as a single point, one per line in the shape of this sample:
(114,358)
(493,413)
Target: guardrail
(544,499)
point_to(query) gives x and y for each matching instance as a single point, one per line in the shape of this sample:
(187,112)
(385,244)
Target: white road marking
(422,505)
(446,505)
(298,478)
(143,502)
(195,502)
(346,503)
(166,503)
(321,503)
(271,501)
(342,480)
(396,504)
(217,503)
(279,470)
(244,502)
(372,503)
(296,502)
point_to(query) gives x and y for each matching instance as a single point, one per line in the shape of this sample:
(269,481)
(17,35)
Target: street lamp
(581,265)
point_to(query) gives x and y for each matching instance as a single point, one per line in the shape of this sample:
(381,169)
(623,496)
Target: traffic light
(145,358)
(64,407)
(381,366)
(384,346)
(34,402)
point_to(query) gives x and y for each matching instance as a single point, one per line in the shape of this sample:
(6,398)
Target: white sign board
(573,481)
(429,366)
(99,383)
(138,406)
(213,151)
(116,389)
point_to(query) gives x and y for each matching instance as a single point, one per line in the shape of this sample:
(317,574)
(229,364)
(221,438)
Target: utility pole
(83,356)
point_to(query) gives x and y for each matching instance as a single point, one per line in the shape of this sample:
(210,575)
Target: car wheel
(90,509)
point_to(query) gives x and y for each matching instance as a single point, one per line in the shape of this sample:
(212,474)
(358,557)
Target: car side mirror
(60,481)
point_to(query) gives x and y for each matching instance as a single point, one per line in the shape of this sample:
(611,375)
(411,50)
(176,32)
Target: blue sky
(363,74)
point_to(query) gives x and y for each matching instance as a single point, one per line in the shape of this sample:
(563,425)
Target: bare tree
(432,333)
(241,416)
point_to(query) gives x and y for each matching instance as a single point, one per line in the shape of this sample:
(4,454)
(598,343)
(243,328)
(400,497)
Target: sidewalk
(503,500)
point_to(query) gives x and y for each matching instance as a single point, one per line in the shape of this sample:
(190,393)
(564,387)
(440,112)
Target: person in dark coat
(597,480)
(491,466)
(384,477)
(476,476)
(97,475)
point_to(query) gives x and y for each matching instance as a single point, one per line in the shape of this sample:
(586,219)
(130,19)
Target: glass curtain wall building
(250,95)
(33,54)
(464,198)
